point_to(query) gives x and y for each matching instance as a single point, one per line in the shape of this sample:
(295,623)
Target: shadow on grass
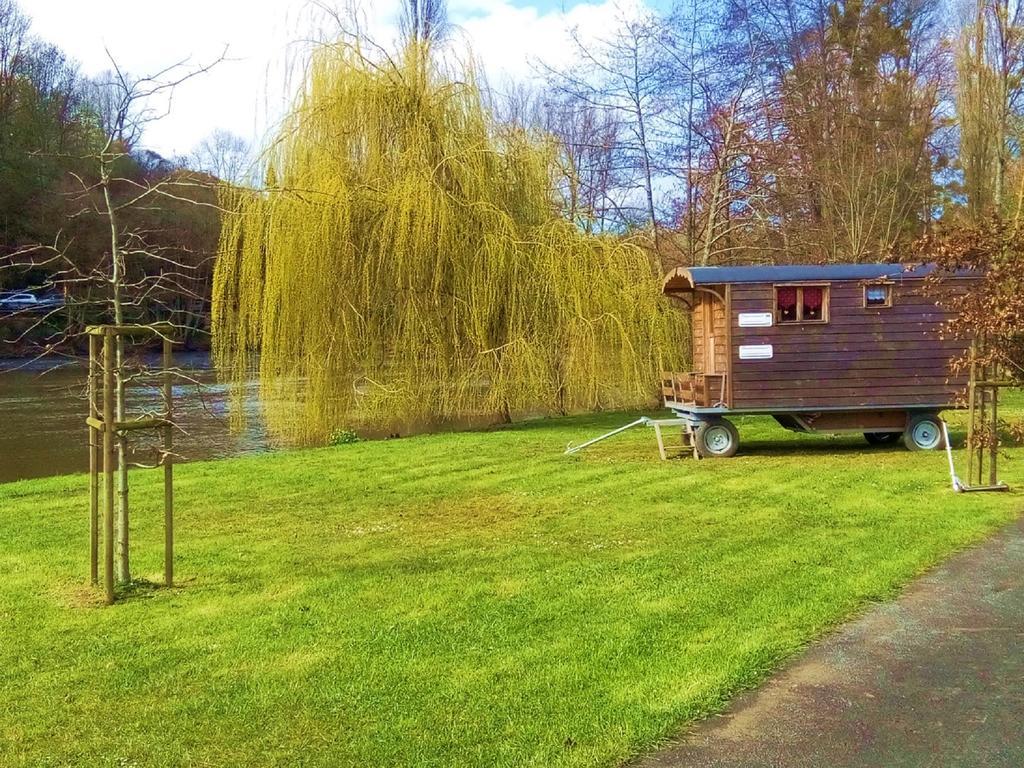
(818,445)
(139,589)
(810,448)
(813,446)
(79,595)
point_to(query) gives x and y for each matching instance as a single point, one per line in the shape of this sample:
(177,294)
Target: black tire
(924,433)
(882,438)
(716,439)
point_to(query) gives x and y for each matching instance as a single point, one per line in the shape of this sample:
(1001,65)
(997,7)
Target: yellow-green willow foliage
(408,262)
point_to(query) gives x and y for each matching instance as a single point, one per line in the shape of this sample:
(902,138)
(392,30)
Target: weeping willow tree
(408,261)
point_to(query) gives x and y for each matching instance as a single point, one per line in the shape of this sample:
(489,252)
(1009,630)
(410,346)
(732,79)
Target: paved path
(933,679)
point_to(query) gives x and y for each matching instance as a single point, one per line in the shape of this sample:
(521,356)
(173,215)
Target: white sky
(145,36)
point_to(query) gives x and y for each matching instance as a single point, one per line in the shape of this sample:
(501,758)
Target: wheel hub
(718,439)
(925,435)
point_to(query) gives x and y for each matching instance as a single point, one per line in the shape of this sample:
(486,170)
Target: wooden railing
(704,390)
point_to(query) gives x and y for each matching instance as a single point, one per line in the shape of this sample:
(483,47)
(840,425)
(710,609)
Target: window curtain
(813,298)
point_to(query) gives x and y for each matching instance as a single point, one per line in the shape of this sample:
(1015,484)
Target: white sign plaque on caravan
(755,319)
(756,352)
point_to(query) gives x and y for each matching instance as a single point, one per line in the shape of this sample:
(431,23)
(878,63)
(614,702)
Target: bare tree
(709,122)
(588,158)
(128,109)
(619,75)
(224,155)
(425,21)
(14,28)
(845,131)
(990,67)
(139,267)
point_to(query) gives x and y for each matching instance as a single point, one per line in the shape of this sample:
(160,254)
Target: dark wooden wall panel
(862,357)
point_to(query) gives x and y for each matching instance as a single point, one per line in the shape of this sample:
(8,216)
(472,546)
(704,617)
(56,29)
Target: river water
(43,409)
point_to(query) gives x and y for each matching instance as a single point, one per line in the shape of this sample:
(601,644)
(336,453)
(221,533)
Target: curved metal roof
(687,278)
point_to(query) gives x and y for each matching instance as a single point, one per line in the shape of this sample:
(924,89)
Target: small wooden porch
(694,389)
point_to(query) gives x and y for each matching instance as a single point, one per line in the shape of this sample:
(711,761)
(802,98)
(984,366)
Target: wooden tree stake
(103,420)
(108,466)
(94,466)
(168,468)
(983,420)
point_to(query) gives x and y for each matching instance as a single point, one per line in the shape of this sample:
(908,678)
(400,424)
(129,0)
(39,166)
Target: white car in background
(15,302)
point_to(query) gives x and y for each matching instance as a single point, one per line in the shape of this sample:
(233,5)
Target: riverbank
(43,408)
(471,598)
(15,347)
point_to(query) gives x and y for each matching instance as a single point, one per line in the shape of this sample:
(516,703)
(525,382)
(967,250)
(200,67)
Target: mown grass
(461,599)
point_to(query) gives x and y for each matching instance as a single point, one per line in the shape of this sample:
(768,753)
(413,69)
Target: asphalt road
(935,678)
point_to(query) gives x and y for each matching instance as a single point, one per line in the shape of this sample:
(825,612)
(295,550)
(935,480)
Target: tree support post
(108,465)
(971,415)
(993,446)
(168,467)
(108,430)
(94,465)
(983,419)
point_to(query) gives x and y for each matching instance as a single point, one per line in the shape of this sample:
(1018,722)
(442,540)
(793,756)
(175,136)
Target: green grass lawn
(461,599)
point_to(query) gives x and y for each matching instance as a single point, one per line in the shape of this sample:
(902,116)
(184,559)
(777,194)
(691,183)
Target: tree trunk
(116,278)
(717,186)
(648,172)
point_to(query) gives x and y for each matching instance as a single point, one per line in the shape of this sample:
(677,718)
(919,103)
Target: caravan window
(878,295)
(786,300)
(801,303)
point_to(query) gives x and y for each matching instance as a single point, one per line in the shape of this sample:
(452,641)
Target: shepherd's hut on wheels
(830,348)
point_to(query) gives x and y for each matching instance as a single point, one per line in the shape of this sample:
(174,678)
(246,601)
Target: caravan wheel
(716,439)
(924,433)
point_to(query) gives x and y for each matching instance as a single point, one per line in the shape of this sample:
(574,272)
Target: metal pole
(168,468)
(94,468)
(108,464)
(949,455)
(574,449)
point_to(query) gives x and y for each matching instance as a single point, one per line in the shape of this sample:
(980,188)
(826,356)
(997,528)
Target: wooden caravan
(833,348)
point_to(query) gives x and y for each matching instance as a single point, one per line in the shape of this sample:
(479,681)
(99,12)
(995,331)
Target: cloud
(147,37)
(511,40)
(265,40)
